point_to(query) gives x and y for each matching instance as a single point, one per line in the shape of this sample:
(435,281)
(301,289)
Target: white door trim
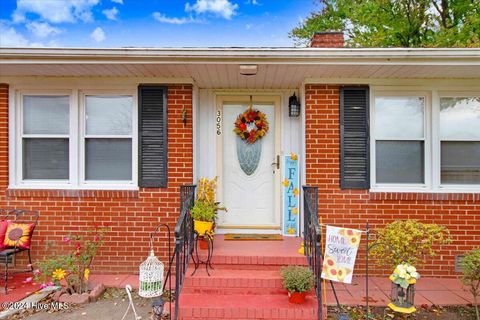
(244,97)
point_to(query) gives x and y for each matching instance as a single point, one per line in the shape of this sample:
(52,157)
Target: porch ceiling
(219,67)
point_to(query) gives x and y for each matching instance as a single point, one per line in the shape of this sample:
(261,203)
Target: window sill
(423,195)
(70,193)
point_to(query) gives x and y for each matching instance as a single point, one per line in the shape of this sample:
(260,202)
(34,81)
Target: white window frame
(48,183)
(76,141)
(438,141)
(84,136)
(432,169)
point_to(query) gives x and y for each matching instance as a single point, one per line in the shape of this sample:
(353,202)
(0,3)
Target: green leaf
(399,23)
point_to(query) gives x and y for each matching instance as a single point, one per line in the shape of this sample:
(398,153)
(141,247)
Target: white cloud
(42,29)
(117,1)
(222,8)
(9,37)
(160,17)
(56,11)
(98,35)
(111,14)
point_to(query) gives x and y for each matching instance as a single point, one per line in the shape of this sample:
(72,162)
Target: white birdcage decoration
(151,277)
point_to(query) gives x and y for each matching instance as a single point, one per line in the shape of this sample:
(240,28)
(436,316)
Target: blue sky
(150,23)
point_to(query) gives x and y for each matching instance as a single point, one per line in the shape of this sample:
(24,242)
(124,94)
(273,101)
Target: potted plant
(298,280)
(205,209)
(203,215)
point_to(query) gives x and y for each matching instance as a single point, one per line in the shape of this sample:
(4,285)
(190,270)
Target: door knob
(277,164)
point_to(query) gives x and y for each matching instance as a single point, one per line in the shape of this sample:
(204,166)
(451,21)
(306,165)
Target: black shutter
(354,135)
(152,136)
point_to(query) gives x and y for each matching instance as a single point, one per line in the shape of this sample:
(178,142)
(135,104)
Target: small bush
(471,275)
(297,278)
(407,241)
(73,266)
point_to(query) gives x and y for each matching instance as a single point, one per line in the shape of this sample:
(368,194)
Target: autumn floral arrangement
(72,269)
(405,275)
(251,125)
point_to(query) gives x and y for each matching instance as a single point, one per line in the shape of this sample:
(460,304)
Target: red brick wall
(132,215)
(352,208)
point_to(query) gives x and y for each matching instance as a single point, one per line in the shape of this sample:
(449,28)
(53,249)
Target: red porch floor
(430,291)
(17,288)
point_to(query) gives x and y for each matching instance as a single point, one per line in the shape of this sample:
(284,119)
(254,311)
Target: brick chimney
(327,40)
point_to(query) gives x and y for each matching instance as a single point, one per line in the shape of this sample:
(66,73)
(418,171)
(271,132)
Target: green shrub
(407,241)
(471,275)
(297,278)
(203,211)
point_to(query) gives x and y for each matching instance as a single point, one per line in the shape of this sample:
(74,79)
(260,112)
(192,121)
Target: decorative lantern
(293,106)
(151,277)
(157,308)
(402,299)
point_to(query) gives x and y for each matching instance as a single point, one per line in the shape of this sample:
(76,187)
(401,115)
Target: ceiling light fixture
(248,70)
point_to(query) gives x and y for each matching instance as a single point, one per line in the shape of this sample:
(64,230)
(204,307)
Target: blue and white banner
(291,195)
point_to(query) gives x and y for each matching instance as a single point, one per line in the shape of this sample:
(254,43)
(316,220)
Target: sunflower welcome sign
(341,248)
(291,195)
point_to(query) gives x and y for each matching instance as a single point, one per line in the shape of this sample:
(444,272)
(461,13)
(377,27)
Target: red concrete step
(275,306)
(249,255)
(252,261)
(231,281)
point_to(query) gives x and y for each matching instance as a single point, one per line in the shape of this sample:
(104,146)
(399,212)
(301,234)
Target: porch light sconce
(184,116)
(293,106)
(248,70)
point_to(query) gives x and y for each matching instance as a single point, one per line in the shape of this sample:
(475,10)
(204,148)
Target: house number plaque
(219,122)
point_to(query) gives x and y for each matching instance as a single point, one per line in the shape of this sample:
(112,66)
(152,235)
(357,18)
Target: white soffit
(219,67)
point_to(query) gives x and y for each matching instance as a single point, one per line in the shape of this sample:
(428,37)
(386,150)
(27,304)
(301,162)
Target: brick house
(385,134)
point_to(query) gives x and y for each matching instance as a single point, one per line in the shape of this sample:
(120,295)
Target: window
(460,140)
(45,137)
(108,137)
(425,142)
(75,140)
(400,139)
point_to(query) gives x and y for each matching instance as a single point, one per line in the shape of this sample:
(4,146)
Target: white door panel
(250,199)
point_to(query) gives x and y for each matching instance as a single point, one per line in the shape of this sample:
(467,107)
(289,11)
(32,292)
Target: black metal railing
(312,240)
(184,237)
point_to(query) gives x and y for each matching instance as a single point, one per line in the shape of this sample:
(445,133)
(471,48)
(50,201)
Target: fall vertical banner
(291,195)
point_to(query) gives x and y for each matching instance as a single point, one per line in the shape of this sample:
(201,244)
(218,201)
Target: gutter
(404,56)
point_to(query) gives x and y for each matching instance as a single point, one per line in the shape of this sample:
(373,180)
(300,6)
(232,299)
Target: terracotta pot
(202,227)
(297,297)
(203,244)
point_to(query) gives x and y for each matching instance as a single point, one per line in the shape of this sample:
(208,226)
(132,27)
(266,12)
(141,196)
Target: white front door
(249,193)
